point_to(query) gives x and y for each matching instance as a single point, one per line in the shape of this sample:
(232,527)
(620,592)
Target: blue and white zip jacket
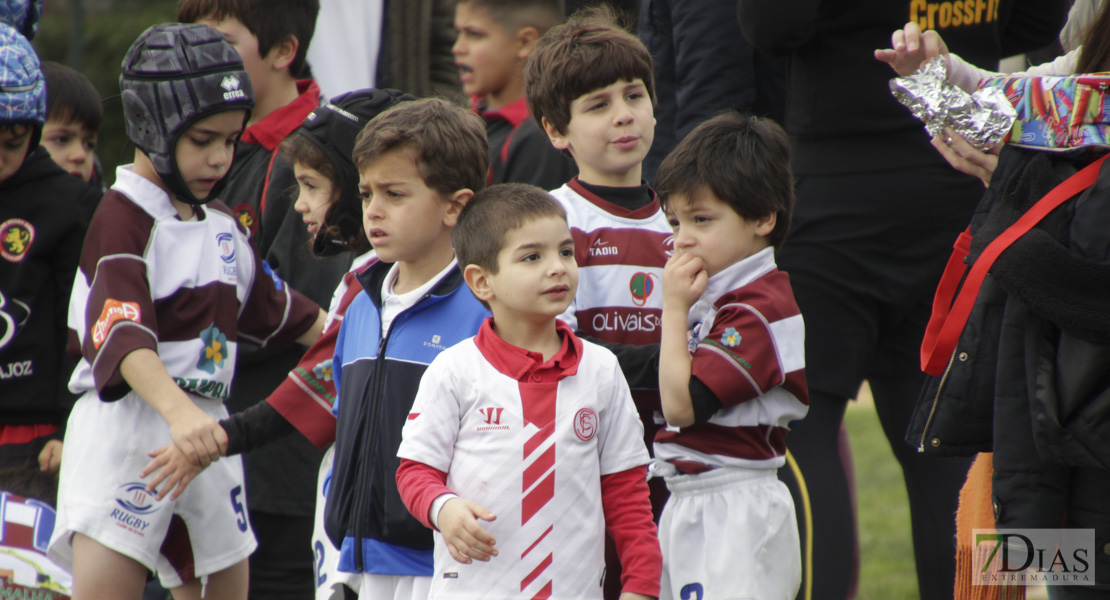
(377,378)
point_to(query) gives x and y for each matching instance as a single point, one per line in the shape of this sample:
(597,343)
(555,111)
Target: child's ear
(557,139)
(766,224)
(456,203)
(527,38)
(282,53)
(478,281)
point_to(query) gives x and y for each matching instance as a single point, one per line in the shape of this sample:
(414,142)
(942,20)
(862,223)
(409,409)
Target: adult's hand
(966,158)
(911,48)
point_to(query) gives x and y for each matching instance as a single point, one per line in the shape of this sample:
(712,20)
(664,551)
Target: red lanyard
(949,317)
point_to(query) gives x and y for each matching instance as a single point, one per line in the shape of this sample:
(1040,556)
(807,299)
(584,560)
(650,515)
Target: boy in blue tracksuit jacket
(419,163)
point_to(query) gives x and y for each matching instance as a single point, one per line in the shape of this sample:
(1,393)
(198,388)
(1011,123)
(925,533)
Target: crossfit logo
(113,311)
(16,236)
(230,84)
(585,424)
(492,418)
(641,286)
(133,506)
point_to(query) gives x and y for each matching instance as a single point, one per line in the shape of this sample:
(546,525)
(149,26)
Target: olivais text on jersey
(942,15)
(616,320)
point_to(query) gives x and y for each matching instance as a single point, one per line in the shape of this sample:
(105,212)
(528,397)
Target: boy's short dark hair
(743,160)
(586,53)
(491,214)
(512,15)
(271,21)
(71,97)
(452,152)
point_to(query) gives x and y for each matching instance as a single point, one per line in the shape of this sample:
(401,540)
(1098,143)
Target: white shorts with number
(101,495)
(329,579)
(729,534)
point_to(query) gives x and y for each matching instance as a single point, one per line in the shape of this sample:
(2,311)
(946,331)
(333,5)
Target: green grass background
(886,549)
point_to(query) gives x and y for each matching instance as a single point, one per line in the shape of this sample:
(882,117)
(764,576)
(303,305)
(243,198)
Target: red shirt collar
(525,365)
(514,112)
(276,126)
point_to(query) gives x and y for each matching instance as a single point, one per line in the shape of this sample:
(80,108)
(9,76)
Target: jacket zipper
(379,366)
(936,401)
(367,463)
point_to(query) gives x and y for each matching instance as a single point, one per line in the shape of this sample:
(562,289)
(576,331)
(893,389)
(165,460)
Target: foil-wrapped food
(983,118)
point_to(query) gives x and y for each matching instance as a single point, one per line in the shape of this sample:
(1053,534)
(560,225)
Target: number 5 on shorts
(240,512)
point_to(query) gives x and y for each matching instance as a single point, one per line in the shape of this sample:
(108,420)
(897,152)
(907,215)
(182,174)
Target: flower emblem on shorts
(322,371)
(731,337)
(215,349)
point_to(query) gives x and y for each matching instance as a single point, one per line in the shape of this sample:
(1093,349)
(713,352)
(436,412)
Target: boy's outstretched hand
(466,540)
(173,468)
(911,48)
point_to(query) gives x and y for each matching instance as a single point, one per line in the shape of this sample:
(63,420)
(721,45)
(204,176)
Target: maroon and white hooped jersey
(748,347)
(189,290)
(620,255)
(532,452)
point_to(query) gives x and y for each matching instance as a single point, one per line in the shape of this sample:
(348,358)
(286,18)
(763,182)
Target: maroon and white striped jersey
(530,443)
(620,255)
(748,346)
(189,290)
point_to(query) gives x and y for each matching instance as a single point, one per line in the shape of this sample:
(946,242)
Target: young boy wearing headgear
(167,286)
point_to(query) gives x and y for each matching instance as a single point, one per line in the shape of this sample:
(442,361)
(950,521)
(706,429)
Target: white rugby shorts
(729,534)
(100,494)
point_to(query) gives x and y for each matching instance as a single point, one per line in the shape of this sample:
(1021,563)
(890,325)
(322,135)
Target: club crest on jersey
(246,217)
(641,285)
(215,351)
(134,503)
(16,236)
(227,247)
(585,424)
(731,337)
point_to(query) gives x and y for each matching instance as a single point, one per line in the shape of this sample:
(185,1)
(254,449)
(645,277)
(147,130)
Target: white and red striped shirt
(620,255)
(750,351)
(533,442)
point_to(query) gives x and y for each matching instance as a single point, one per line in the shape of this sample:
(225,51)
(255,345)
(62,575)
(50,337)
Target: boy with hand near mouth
(495,38)
(731,365)
(533,428)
